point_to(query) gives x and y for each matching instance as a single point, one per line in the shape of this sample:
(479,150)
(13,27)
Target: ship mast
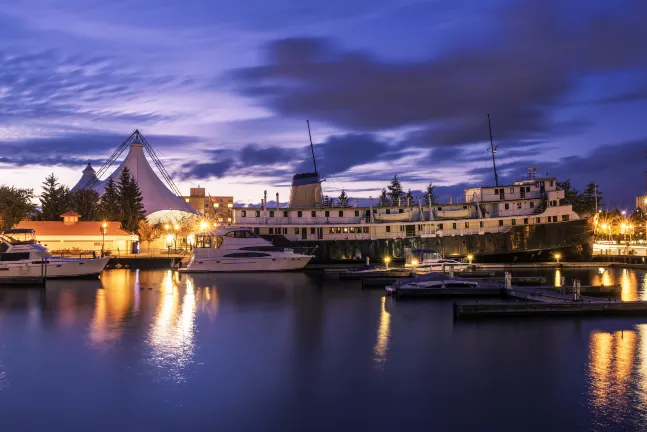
(312,148)
(493,149)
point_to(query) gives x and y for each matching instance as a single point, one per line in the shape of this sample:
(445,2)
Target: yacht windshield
(19,236)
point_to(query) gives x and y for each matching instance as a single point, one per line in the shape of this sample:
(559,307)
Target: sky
(222,90)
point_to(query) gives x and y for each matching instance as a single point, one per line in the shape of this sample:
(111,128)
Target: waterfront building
(71,236)
(641,203)
(218,208)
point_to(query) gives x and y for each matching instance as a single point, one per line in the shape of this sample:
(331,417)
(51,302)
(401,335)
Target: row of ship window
(365,229)
(313,213)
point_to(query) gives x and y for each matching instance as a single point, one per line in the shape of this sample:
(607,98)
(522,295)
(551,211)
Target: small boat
(432,283)
(373,271)
(405,216)
(452,212)
(241,250)
(439,265)
(23,260)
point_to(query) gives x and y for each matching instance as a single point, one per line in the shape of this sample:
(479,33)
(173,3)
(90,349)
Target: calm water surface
(148,350)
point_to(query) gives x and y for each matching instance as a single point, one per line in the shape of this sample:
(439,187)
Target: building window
(365,230)
(187,200)
(312,230)
(514,221)
(496,191)
(356,213)
(538,220)
(501,193)
(341,213)
(271,213)
(512,190)
(467,224)
(564,218)
(388,228)
(296,230)
(551,183)
(230,205)
(527,188)
(313,213)
(454,225)
(480,224)
(388,211)
(518,205)
(500,222)
(338,230)
(401,211)
(507,206)
(331,231)
(345,229)
(243,213)
(401,228)
(285,214)
(374,211)
(327,213)
(257,230)
(299,214)
(440,226)
(554,218)
(271,230)
(525,221)
(258,213)
(532,204)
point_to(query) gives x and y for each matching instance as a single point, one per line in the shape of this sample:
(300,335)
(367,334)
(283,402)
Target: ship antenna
(312,148)
(493,149)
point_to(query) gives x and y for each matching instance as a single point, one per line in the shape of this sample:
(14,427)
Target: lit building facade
(216,207)
(641,203)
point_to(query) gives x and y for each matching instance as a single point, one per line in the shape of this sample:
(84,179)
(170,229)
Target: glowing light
(215,224)
(645,201)
(169,239)
(216,205)
(105,225)
(604,226)
(414,262)
(176,227)
(558,256)
(167,226)
(470,257)
(190,239)
(230,205)
(228,219)
(387,260)
(601,270)
(624,212)
(204,225)
(383,335)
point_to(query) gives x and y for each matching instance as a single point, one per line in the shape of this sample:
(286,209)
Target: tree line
(121,201)
(392,195)
(584,202)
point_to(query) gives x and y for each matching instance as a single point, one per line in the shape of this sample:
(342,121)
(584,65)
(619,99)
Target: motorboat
(439,265)
(429,283)
(374,271)
(22,259)
(229,249)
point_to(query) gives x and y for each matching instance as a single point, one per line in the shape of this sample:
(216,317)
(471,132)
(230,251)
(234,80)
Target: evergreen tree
(571,195)
(430,196)
(395,190)
(343,199)
(409,198)
(384,199)
(590,199)
(54,200)
(15,205)
(110,206)
(130,199)
(86,203)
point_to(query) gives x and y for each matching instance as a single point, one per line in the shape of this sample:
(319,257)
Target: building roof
(70,214)
(155,195)
(87,228)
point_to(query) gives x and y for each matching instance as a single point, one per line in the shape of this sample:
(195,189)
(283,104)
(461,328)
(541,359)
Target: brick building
(217,207)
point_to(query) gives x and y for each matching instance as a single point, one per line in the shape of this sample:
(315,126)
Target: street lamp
(558,256)
(104,231)
(387,260)
(203,226)
(470,258)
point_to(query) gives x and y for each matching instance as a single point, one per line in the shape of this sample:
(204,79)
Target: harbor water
(153,350)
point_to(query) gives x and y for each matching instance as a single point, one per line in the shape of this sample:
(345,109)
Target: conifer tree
(395,190)
(384,199)
(130,199)
(54,200)
(343,199)
(409,198)
(110,205)
(86,203)
(430,196)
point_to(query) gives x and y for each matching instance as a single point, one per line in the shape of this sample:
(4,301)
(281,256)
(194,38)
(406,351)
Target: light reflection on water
(241,339)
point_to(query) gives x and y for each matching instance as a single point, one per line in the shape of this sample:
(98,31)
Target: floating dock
(526,309)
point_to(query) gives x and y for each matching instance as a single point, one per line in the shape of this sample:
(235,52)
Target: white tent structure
(160,201)
(89,177)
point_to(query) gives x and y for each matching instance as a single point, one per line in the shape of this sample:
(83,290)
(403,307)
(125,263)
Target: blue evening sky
(222,90)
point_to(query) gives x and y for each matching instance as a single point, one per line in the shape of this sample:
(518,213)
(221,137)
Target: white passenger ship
(241,250)
(22,259)
(526,220)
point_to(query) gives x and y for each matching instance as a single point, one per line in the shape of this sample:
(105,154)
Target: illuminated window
(216,205)
(230,205)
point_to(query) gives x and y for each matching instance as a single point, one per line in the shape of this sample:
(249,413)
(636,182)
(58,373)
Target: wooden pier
(530,309)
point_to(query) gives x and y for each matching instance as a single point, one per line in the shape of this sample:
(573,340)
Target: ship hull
(524,243)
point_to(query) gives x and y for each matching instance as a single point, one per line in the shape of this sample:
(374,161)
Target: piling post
(508,280)
(451,271)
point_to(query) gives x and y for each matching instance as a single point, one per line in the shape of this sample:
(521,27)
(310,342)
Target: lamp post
(558,256)
(104,230)
(387,260)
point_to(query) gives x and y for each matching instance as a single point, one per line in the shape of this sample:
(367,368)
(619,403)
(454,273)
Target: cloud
(535,61)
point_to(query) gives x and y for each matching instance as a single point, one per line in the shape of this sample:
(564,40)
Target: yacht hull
(64,268)
(268,264)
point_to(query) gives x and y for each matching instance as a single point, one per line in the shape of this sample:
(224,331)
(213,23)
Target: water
(292,352)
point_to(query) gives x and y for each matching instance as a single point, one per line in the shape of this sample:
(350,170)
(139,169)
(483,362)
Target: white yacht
(22,259)
(241,250)
(423,261)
